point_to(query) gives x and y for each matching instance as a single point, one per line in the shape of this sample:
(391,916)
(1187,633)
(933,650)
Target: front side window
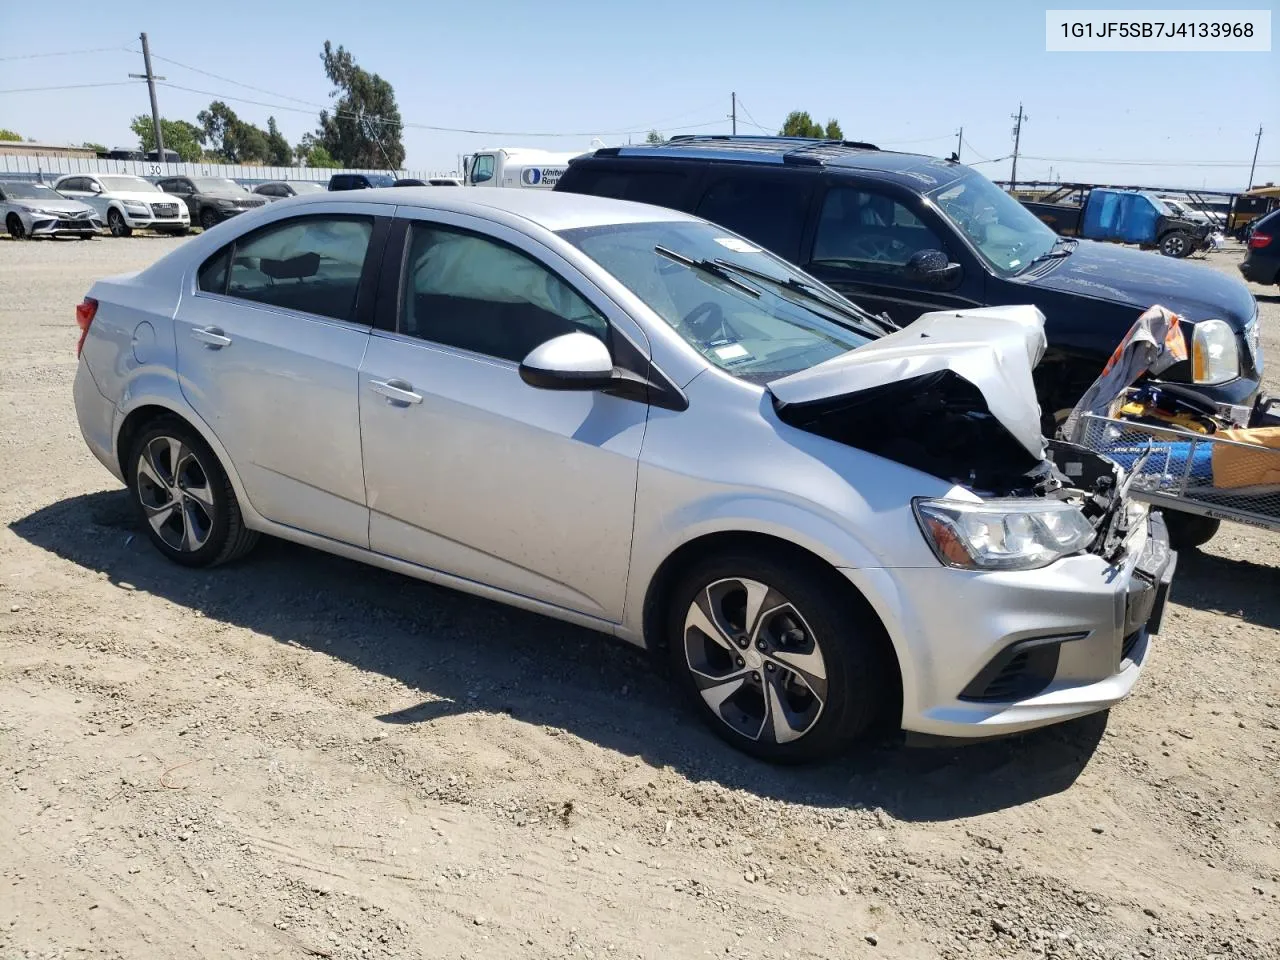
(311,264)
(745,310)
(768,210)
(869,232)
(476,294)
(1006,234)
(482,168)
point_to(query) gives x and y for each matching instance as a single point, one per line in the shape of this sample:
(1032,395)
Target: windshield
(380,180)
(1005,233)
(752,329)
(217,185)
(28,191)
(128,185)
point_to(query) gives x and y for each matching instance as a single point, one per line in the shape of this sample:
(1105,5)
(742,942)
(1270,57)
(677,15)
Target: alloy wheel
(173,487)
(15,226)
(115,222)
(754,660)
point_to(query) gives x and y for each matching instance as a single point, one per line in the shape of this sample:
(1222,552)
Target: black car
(279,189)
(1262,261)
(211,199)
(360,181)
(904,234)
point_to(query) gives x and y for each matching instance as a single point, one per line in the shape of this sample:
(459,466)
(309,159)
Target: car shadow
(471,655)
(1237,588)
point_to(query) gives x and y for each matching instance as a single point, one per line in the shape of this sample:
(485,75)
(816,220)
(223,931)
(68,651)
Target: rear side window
(663,188)
(769,210)
(309,264)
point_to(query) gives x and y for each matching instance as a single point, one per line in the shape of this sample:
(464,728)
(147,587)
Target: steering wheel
(706,321)
(880,248)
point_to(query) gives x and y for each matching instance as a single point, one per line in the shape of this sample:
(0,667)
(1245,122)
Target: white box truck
(515,167)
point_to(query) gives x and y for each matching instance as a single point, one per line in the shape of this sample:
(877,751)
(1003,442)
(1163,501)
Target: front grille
(164,209)
(246,204)
(74,225)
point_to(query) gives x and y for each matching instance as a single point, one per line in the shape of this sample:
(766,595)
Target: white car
(127,203)
(37,210)
(634,420)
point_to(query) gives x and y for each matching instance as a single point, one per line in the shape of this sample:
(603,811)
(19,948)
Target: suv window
(312,264)
(768,210)
(340,182)
(476,294)
(663,188)
(74,183)
(868,231)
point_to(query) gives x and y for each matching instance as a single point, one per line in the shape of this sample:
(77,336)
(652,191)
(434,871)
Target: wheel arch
(658,593)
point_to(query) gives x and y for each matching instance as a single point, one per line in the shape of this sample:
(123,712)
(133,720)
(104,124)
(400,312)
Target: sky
(560,75)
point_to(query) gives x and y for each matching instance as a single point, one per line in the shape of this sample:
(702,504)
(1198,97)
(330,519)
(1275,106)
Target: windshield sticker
(1012,263)
(732,353)
(736,245)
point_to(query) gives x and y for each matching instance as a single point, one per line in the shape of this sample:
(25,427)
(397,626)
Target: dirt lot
(300,756)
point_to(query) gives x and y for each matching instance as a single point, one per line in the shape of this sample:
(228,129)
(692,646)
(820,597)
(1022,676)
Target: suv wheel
(1176,244)
(208,218)
(776,657)
(116,224)
(184,498)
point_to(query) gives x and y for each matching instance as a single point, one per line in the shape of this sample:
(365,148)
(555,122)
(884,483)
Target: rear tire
(1189,530)
(778,656)
(183,497)
(116,224)
(13,223)
(1177,244)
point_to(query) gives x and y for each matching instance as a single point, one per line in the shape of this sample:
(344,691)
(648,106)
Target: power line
(66,53)
(945,136)
(1147,163)
(750,117)
(70,86)
(981,156)
(247,86)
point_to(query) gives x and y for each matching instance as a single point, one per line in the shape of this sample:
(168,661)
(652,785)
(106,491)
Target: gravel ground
(299,756)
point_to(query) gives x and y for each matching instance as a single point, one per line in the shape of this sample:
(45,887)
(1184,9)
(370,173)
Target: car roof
(545,208)
(910,169)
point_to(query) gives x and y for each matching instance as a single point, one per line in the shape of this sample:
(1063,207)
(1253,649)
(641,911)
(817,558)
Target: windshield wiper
(711,267)
(811,292)
(1053,253)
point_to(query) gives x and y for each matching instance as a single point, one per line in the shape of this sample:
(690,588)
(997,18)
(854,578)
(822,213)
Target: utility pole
(1256,143)
(959,143)
(1019,119)
(733,112)
(151,79)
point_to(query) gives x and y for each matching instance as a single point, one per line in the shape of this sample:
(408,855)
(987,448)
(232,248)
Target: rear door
(269,348)
(470,470)
(864,236)
(768,207)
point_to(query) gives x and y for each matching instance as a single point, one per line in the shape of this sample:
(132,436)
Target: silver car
(37,210)
(633,420)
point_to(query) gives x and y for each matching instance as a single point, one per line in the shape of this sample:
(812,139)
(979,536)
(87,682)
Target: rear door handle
(398,392)
(212,337)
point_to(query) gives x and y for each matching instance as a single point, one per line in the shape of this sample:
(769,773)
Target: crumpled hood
(1107,271)
(993,348)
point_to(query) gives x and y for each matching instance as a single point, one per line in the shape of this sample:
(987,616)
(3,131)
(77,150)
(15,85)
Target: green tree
(312,154)
(655,137)
(95,147)
(279,153)
(364,128)
(9,135)
(182,138)
(800,124)
(230,139)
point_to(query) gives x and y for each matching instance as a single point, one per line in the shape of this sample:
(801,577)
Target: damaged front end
(951,395)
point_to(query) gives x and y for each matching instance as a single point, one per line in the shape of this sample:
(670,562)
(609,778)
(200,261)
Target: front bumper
(991,653)
(45,226)
(137,220)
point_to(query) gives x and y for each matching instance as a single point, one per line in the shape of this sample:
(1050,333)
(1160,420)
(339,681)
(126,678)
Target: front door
(861,245)
(269,349)
(469,470)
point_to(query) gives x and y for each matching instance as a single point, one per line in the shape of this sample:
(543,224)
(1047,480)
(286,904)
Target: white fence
(44,168)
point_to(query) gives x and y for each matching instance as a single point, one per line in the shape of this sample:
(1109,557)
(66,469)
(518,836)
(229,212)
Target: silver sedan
(37,210)
(637,421)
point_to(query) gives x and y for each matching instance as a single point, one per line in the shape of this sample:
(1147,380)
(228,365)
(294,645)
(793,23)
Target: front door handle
(398,392)
(211,337)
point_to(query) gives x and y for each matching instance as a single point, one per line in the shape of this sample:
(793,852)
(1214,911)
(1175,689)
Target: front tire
(116,224)
(1177,244)
(209,219)
(1189,530)
(183,497)
(778,656)
(13,223)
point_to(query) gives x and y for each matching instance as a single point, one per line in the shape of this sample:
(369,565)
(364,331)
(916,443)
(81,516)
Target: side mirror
(932,267)
(573,361)
(95,187)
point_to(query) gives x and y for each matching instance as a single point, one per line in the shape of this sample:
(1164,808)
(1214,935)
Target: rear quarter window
(663,188)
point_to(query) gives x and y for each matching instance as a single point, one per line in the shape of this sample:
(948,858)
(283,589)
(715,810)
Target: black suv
(904,234)
(360,181)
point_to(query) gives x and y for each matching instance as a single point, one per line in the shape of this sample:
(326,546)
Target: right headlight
(136,206)
(1215,354)
(1002,535)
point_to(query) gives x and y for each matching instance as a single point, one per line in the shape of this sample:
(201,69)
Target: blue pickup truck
(1122,216)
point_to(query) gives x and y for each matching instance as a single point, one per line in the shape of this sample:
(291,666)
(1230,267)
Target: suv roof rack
(796,150)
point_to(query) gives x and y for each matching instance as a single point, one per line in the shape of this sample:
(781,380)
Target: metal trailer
(1190,472)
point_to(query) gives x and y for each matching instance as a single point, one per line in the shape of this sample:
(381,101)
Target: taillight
(86,310)
(1259,240)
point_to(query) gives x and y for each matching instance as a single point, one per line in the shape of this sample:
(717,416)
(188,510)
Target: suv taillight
(86,310)
(1259,240)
